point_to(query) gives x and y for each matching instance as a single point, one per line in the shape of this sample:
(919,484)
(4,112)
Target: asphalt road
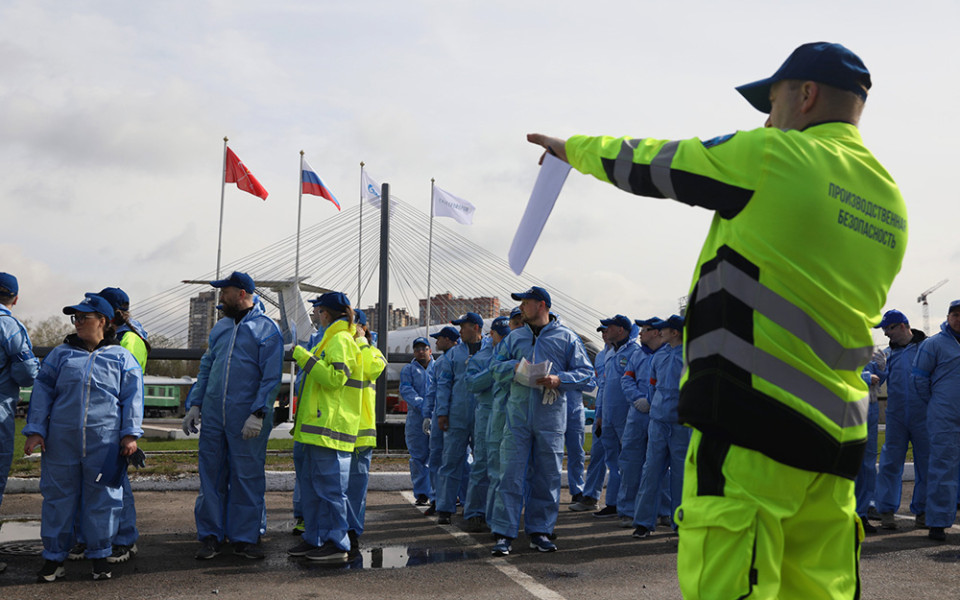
(406,555)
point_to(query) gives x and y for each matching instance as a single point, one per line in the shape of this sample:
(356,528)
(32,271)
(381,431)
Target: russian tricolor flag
(312,184)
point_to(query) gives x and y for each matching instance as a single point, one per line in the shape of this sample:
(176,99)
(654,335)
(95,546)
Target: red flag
(238,173)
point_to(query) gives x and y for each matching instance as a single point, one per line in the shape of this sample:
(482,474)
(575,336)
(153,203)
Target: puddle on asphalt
(20,538)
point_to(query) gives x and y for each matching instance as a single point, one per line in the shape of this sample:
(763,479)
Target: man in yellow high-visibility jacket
(778,325)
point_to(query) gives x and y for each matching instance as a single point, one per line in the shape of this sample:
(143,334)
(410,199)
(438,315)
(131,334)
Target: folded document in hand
(528,373)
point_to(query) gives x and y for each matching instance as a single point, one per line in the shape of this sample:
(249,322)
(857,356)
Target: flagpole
(223,186)
(430,255)
(360,245)
(296,268)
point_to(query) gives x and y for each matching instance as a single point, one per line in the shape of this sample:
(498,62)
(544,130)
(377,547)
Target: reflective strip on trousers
(769,367)
(784,313)
(330,433)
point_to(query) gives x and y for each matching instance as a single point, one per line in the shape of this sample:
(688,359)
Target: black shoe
(101,569)
(301,549)
(938,534)
(51,571)
(422,500)
(122,553)
(867,526)
(576,498)
(641,532)
(354,544)
(476,525)
(431,511)
(608,512)
(443,518)
(328,553)
(248,550)
(210,547)
(77,552)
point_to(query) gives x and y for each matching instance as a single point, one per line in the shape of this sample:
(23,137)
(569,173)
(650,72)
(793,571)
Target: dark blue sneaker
(502,547)
(539,541)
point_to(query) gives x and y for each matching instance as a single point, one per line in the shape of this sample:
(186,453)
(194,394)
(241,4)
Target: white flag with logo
(446,204)
(371,190)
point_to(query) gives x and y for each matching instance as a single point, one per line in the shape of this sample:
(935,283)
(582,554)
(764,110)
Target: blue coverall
(239,375)
(127,533)
(615,408)
(865,484)
(83,403)
(534,431)
(458,403)
(667,439)
(18,368)
(413,390)
(480,383)
(573,439)
(936,376)
(495,427)
(906,421)
(597,469)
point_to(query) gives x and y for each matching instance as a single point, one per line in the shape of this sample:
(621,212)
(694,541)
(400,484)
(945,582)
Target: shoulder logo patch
(717,140)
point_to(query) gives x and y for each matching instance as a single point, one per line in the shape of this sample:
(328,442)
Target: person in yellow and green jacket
(326,423)
(778,325)
(373,366)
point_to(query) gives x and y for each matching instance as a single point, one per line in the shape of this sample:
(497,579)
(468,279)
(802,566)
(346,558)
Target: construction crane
(922,299)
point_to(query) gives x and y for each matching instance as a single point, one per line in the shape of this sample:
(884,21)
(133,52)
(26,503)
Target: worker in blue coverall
(498,417)
(623,344)
(447,338)
(235,390)
(456,410)
(536,421)
(413,390)
(298,453)
(906,424)
(936,376)
(573,440)
(18,368)
(636,387)
(667,439)
(86,412)
(865,484)
(597,469)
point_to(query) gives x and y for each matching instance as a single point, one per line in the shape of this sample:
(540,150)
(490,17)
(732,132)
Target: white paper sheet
(529,373)
(553,174)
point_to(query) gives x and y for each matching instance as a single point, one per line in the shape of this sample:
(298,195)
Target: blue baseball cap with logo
(447,332)
(237,280)
(91,303)
(470,317)
(501,325)
(333,300)
(515,312)
(534,293)
(823,62)
(116,297)
(892,317)
(9,284)
(421,341)
(618,320)
(674,322)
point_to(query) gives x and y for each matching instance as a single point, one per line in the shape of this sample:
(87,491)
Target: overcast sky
(112,116)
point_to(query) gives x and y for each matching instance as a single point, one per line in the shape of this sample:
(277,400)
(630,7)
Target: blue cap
(9,283)
(421,340)
(117,298)
(334,300)
(534,293)
(91,303)
(515,312)
(359,317)
(501,325)
(674,322)
(823,62)
(470,317)
(892,317)
(236,279)
(447,332)
(602,328)
(619,320)
(955,305)
(648,322)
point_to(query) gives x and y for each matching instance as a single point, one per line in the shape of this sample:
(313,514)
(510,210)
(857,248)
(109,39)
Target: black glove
(138,459)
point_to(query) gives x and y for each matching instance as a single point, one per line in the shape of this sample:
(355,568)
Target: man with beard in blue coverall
(623,344)
(413,390)
(456,412)
(238,380)
(906,421)
(18,369)
(536,421)
(447,338)
(498,413)
(936,376)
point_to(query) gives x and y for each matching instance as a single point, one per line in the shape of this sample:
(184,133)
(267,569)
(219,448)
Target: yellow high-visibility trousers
(751,527)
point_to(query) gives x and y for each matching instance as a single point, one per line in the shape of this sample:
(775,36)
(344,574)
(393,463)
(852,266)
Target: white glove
(880,359)
(642,404)
(426,426)
(191,420)
(251,428)
(550,396)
